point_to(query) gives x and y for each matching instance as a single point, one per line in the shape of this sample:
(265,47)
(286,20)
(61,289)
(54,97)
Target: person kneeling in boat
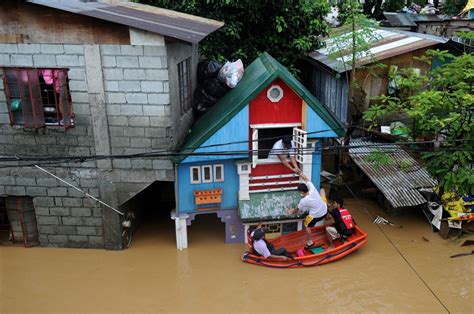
(312,202)
(264,248)
(343,222)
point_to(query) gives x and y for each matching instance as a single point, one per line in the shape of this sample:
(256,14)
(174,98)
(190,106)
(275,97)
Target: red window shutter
(65,106)
(35,97)
(32,107)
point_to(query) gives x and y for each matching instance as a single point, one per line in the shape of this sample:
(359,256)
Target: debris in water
(425,239)
(380,220)
(467,242)
(462,254)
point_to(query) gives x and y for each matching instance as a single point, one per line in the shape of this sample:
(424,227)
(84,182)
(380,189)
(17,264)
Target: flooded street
(396,271)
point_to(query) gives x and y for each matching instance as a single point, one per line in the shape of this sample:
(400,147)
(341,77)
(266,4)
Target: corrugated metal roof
(391,43)
(400,187)
(410,20)
(173,24)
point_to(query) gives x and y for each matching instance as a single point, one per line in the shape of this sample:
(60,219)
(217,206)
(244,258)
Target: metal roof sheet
(400,187)
(261,72)
(391,43)
(169,23)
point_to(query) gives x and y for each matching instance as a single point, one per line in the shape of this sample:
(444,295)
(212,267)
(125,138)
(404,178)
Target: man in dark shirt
(343,222)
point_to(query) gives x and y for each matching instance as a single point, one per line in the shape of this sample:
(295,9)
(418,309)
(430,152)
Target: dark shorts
(315,221)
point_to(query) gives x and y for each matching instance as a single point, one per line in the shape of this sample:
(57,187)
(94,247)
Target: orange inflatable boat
(317,255)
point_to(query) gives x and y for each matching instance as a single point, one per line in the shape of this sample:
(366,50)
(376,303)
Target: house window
(184,79)
(195,175)
(218,173)
(206,174)
(275,93)
(22,220)
(38,97)
(264,137)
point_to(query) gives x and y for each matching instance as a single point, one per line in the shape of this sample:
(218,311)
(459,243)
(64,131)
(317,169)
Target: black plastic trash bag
(207,69)
(202,101)
(215,88)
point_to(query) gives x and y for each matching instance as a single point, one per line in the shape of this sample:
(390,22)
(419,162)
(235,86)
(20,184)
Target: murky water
(152,276)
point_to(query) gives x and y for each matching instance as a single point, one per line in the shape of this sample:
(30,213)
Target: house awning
(400,182)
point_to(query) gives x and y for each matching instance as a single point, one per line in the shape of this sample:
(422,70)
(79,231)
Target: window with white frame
(264,137)
(206,174)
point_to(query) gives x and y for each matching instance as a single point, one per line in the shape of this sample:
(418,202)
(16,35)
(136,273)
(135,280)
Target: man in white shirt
(312,202)
(283,148)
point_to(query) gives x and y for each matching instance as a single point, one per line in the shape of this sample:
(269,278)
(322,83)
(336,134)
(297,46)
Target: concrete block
(29,48)
(113,110)
(120,141)
(58,191)
(142,164)
(81,212)
(85,141)
(109,61)
(46,229)
(82,61)
(129,86)
(72,221)
(47,182)
(76,74)
(5,60)
(86,231)
(93,221)
(122,163)
(117,120)
(74,49)
(139,121)
(35,191)
(65,230)
(162,164)
(44,61)
(140,142)
(49,48)
(154,51)
(113,74)
(78,238)
(96,241)
(43,201)
(136,98)
(88,183)
(157,75)
(111,86)
(94,192)
(79,97)
(7,139)
(15,190)
(131,110)
(127,62)
(58,201)
(116,131)
(79,86)
(67,60)
(25,139)
(155,110)
(81,108)
(131,50)
(57,238)
(7,180)
(166,87)
(43,240)
(22,60)
(161,143)
(110,49)
(155,132)
(150,62)
(67,141)
(97,212)
(152,86)
(44,220)
(42,211)
(8,48)
(79,151)
(115,98)
(135,74)
(59,211)
(134,131)
(159,99)
(72,201)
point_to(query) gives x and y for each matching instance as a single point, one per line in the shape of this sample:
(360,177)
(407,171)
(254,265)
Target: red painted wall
(287,110)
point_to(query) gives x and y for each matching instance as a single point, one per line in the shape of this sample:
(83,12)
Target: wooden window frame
(203,175)
(191,176)
(185,85)
(215,172)
(31,97)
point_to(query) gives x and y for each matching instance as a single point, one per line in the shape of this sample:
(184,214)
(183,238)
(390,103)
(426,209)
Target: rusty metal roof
(411,20)
(169,23)
(400,187)
(391,43)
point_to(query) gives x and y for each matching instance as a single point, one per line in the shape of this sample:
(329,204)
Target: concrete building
(86,78)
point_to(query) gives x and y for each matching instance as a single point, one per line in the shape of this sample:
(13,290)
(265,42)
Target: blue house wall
(314,123)
(316,169)
(236,130)
(230,186)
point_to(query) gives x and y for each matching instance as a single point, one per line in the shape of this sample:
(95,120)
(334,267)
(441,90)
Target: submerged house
(86,78)
(223,167)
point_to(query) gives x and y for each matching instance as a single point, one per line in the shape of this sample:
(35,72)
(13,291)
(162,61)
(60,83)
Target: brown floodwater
(397,271)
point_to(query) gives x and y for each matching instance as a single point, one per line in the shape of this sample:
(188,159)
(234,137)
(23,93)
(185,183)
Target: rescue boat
(318,254)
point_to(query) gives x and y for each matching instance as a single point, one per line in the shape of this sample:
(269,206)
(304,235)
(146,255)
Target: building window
(38,97)
(218,173)
(275,93)
(206,174)
(195,175)
(185,88)
(22,220)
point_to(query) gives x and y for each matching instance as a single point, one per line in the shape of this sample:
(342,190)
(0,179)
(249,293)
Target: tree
(453,7)
(439,108)
(287,29)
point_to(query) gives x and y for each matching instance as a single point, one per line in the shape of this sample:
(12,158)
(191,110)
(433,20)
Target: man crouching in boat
(312,202)
(264,248)
(343,222)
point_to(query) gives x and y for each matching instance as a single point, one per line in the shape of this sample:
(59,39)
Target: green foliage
(440,107)
(380,158)
(287,29)
(393,5)
(453,7)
